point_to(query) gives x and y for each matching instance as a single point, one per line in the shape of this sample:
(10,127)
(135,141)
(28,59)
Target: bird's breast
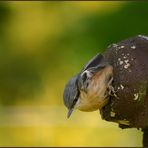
(91,103)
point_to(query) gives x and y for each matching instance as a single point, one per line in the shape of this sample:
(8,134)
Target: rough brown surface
(129,59)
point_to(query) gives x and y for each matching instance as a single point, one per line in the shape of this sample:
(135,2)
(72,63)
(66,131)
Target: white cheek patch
(88,74)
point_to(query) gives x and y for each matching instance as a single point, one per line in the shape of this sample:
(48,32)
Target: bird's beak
(69,112)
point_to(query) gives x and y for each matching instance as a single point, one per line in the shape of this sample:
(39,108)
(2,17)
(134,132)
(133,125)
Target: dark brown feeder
(129,107)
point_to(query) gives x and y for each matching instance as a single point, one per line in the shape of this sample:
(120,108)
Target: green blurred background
(42,45)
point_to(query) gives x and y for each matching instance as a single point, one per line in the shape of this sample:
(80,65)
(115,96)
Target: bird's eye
(75,100)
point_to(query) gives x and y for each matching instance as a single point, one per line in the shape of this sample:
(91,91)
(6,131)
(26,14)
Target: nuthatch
(89,90)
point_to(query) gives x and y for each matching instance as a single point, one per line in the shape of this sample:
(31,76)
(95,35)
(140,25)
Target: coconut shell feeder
(129,107)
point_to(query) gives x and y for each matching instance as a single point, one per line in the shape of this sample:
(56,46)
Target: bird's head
(87,91)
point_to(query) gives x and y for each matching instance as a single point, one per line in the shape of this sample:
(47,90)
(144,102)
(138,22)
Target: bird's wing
(96,62)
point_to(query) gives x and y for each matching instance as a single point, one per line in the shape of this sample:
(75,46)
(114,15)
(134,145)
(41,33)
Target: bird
(114,82)
(90,89)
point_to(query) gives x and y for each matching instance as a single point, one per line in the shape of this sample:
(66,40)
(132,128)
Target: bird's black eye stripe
(77,95)
(76,98)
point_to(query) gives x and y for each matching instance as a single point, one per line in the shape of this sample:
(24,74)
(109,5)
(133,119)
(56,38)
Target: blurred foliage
(43,44)
(44,41)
